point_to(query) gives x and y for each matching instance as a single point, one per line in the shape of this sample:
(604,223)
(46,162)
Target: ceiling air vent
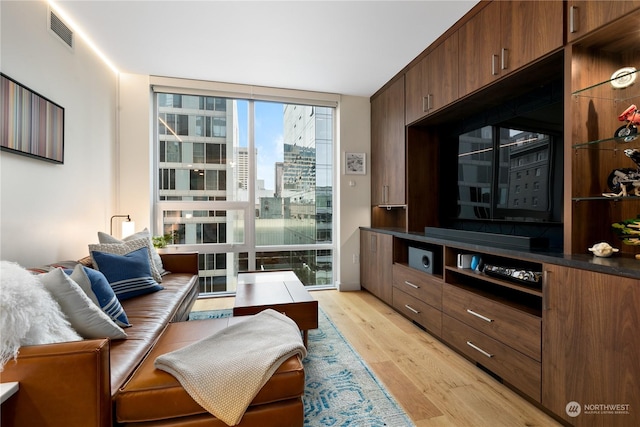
(60,29)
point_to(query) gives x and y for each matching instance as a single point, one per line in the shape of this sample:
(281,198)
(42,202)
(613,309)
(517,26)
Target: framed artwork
(355,163)
(30,124)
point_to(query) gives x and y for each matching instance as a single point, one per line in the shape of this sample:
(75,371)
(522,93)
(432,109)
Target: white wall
(50,212)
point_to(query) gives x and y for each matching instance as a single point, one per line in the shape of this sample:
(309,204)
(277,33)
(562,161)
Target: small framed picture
(355,163)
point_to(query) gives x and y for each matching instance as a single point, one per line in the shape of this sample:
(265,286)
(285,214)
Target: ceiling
(344,47)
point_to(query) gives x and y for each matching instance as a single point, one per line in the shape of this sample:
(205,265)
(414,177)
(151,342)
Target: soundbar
(488,239)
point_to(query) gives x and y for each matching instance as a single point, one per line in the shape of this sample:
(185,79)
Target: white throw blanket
(225,371)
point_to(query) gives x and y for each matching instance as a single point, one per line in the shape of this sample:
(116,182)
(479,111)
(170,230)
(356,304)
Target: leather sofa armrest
(65,384)
(180,262)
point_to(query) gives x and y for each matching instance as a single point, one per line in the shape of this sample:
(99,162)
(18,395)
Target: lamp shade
(128,228)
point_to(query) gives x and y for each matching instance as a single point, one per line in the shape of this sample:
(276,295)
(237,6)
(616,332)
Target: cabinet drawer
(416,310)
(520,330)
(418,284)
(514,367)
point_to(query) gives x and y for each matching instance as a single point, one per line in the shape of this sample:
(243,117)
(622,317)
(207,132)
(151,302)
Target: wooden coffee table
(279,290)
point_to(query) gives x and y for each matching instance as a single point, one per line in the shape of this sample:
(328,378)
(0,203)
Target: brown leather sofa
(78,383)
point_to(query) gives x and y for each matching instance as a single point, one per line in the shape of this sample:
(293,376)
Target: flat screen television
(502,170)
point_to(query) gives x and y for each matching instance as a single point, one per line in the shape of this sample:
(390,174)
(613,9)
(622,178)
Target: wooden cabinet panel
(586,16)
(376,258)
(388,146)
(433,82)
(418,311)
(505,36)
(514,367)
(590,347)
(530,29)
(479,41)
(418,284)
(518,329)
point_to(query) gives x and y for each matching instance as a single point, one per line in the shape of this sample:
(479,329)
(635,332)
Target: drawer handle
(486,319)
(412,309)
(475,347)
(412,285)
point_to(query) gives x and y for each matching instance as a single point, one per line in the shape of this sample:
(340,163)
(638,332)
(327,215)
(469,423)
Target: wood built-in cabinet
(376,259)
(586,16)
(594,153)
(591,350)
(388,146)
(432,83)
(503,37)
(569,336)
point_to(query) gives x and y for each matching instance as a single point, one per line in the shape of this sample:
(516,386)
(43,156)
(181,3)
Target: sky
(268,136)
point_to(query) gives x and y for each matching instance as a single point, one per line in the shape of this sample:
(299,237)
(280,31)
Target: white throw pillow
(86,318)
(123,248)
(144,234)
(28,313)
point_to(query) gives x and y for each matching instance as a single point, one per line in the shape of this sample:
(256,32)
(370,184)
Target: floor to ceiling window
(247,184)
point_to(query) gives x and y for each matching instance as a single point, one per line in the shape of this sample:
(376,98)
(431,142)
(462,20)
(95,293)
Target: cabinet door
(478,46)
(591,349)
(388,146)
(376,261)
(432,83)
(416,91)
(529,29)
(586,16)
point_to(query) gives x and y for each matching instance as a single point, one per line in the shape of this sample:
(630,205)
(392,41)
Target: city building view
(246,184)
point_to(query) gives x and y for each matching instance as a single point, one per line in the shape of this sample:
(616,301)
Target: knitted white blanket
(225,371)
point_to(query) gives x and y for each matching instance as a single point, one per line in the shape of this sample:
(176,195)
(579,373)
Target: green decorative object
(628,230)
(162,241)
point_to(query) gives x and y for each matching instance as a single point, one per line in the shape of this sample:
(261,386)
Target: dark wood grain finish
(512,327)
(376,259)
(478,41)
(590,350)
(512,366)
(590,15)
(281,291)
(388,146)
(530,30)
(433,82)
(418,311)
(418,284)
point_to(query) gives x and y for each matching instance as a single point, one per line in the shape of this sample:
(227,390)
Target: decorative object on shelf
(629,131)
(623,181)
(528,277)
(628,230)
(355,163)
(603,250)
(31,124)
(624,77)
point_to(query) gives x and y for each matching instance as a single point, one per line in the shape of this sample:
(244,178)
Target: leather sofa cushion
(149,315)
(152,394)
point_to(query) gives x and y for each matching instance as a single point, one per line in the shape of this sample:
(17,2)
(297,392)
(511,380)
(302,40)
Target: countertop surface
(618,264)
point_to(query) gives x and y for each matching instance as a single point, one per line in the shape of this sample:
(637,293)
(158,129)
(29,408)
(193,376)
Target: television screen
(505,173)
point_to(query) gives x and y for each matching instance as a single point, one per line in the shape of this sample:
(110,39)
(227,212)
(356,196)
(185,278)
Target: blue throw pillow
(97,288)
(129,275)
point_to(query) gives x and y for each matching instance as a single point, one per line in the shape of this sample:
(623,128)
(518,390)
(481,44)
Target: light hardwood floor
(435,385)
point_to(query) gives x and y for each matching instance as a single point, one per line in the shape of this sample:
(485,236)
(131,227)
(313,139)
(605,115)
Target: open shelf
(482,276)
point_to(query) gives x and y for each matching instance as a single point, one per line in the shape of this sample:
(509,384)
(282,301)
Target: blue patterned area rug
(340,390)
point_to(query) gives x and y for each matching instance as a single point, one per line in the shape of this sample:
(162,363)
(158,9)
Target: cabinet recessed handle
(412,285)
(485,318)
(408,307)
(475,347)
(505,58)
(494,65)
